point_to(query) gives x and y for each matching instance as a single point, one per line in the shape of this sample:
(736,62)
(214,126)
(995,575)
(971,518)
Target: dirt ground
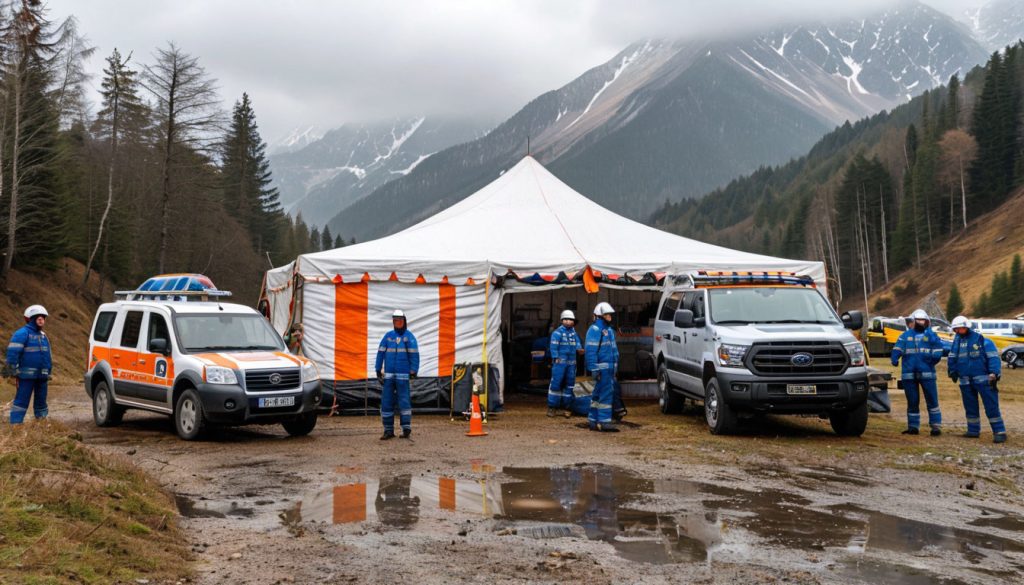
(543,500)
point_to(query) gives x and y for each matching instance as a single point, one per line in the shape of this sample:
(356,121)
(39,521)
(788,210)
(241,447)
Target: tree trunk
(12,222)
(885,228)
(110,183)
(165,199)
(963,193)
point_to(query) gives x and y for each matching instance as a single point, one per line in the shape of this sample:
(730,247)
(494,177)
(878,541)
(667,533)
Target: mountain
(349,162)
(998,24)
(669,120)
(295,140)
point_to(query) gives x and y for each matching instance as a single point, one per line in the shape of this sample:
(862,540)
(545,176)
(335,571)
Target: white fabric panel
(420,303)
(279,294)
(318,325)
(469,327)
(567,232)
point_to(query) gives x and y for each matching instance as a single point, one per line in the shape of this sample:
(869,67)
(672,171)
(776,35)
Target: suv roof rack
(704,278)
(174,287)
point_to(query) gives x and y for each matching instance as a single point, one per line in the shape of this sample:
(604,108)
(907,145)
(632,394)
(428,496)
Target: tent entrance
(528,317)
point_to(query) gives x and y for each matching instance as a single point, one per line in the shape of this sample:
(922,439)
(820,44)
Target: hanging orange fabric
(351,328)
(589,282)
(445,330)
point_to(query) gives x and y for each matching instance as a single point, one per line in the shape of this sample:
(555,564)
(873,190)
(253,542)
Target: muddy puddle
(666,521)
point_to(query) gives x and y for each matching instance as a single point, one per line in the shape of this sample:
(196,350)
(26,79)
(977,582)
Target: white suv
(204,362)
(759,343)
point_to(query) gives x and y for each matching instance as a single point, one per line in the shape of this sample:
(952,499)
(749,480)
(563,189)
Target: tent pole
(487,307)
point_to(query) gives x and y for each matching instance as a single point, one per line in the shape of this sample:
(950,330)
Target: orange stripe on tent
(445,330)
(349,503)
(446,493)
(351,323)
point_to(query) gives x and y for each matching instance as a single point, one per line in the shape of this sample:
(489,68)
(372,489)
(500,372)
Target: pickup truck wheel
(301,425)
(850,423)
(189,420)
(105,412)
(670,400)
(721,419)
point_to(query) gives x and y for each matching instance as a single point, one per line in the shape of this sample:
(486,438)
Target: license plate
(799,390)
(277,401)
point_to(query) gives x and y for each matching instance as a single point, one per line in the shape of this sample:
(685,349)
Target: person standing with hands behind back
(398,360)
(920,349)
(602,356)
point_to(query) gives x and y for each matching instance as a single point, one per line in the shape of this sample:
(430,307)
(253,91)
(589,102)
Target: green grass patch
(71,515)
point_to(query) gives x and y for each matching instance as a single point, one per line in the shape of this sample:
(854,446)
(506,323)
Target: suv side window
(157,329)
(668,310)
(131,329)
(104,326)
(698,305)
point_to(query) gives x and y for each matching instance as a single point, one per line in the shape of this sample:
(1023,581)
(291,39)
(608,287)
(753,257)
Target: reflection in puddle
(999,519)
(190,508)
(651,521)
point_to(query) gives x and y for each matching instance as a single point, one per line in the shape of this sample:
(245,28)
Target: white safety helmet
(603,308)
(35,311)
(960,321)
(567,314)
(398,314)
(920,314)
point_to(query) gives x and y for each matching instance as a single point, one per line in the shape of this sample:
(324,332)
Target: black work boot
(406,433)
(551,413)
(387,435)
(970,435)
(911,431)
(999,438)
(936,431)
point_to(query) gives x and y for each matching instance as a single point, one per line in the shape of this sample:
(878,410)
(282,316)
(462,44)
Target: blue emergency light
(174,287)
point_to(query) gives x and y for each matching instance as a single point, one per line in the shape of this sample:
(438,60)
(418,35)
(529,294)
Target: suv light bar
(174,287)
(704,278)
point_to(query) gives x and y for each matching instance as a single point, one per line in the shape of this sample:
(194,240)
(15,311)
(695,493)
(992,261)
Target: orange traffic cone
(476,424)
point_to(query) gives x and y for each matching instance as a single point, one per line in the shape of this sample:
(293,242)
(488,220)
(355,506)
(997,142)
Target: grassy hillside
(970,259)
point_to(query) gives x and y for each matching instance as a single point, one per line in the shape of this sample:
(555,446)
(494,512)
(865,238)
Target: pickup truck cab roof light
(174,287)
(707,278)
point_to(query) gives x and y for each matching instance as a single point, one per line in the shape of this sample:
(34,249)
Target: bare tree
(958,150)
(188,115)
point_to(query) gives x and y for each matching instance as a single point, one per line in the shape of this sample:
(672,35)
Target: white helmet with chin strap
(960,321)
(920,314)
(36,311)
(603,308)
(398,314)
(567,314)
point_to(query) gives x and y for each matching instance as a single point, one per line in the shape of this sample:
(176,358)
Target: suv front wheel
(721,419)
(189,419)
(301,425)
(850,423)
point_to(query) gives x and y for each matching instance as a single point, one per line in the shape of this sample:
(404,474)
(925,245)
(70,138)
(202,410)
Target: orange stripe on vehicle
(351,329)
(288,357)
(218,360)
(445,330)
(349,503)
(446,493)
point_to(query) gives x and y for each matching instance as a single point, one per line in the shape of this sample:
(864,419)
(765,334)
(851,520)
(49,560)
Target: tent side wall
(279,292)
(344,324)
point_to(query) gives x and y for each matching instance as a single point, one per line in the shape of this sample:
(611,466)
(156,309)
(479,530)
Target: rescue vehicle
(173,346)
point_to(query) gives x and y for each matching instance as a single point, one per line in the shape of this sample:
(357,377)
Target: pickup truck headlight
(220,375)
(310,373)
(856,352)
(732,355)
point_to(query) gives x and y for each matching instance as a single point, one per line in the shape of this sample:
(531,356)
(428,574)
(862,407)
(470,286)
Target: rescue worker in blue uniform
(29,361)
(564,346)
(602,360)
(398,360)
(920,349)
(974,363)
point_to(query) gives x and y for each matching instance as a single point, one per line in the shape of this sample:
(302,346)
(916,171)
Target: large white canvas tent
(525,231)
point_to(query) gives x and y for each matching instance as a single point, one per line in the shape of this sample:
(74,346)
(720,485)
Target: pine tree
(955,303)
(325,239)
(247,178)
(339,242)
(1001,296)
(981,307)
(314,240)
(1017,281)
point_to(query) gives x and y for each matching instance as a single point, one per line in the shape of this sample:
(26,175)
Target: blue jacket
(564,343)
(601,351)
(973,357)
(398,354)
(28,354)
(919,351)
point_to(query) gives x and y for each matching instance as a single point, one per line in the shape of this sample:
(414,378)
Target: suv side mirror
(684,319)
(853,320)
(158,345)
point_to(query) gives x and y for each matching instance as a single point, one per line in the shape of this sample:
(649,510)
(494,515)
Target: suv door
(665,332)
(124,354)
(693,343)
(155,370)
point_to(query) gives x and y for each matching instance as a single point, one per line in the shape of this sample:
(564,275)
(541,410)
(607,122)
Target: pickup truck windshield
(220,332)
(742,306)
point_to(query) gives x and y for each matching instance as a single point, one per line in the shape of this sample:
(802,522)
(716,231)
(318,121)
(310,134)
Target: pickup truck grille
(260,380)
(776,358)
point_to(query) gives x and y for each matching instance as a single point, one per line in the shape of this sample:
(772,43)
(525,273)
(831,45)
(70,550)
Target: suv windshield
(220,332)
(742,306)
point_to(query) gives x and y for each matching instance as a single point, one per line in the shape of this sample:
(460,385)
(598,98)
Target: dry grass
(69,515)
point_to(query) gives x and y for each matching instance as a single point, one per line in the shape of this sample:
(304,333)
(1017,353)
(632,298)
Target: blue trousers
(393,388)
(911,382)
(563,380)
(601,401)
(26,387)
(989,397)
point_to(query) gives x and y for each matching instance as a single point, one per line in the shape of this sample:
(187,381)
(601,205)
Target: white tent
(525,226)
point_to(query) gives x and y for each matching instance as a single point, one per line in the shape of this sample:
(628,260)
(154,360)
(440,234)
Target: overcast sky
(324,63)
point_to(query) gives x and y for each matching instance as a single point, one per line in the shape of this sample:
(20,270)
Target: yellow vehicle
(883,332)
